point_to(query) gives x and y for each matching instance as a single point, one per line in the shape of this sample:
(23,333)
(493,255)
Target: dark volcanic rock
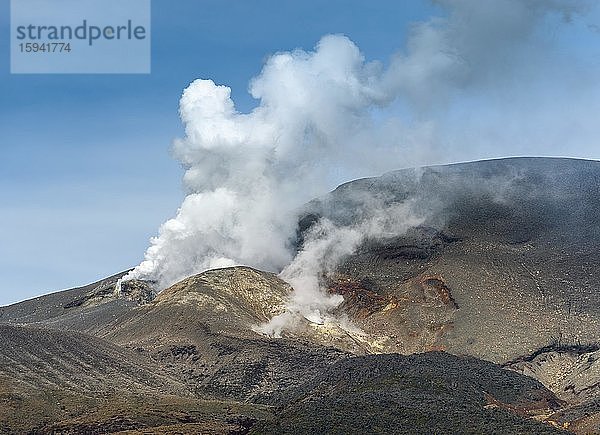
(418,394)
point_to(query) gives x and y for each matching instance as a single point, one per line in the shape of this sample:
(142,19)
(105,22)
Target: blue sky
(86,177)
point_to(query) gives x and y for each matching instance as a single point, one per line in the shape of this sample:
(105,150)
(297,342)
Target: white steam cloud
(249,173)
(328,115)
(325,244)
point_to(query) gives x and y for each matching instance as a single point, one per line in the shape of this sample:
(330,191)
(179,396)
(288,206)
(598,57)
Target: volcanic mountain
(482,318)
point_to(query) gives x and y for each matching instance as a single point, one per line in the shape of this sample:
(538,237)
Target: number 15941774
(46,47)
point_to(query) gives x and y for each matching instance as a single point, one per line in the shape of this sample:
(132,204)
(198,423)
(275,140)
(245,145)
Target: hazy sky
(86,176)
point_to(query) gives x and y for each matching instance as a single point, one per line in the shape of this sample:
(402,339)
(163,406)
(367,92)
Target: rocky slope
(503,262)
(87,308)
(426,393)
(66,382)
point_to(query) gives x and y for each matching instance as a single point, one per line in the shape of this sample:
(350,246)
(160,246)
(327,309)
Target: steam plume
(328,115)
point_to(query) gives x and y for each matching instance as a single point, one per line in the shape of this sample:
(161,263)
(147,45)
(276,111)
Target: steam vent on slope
(467,299)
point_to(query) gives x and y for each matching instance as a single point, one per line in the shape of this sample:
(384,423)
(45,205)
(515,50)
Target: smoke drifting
(327,115)
(324,245)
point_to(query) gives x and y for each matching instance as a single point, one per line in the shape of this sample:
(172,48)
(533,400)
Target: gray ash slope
(67,382)
(510,249)
(503,264)
(82,309)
